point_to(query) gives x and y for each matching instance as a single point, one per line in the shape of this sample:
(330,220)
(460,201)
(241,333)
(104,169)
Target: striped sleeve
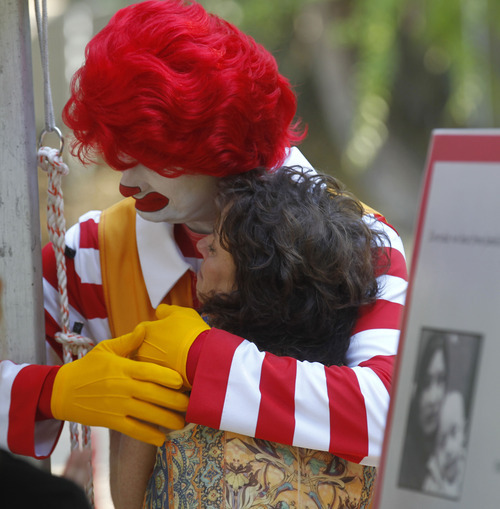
(20,433)
(21,385)
(342,410)
(84,282)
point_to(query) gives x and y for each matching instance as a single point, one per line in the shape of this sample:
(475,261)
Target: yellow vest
(125,294)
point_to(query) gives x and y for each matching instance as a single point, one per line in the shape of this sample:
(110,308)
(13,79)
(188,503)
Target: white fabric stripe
(94,215)
(377,403)
(372,342)
(88,265)
(295,157)
(51,300)
(72,238)
(396,242)
(392,288)
(46,434)
(241,413)
(87,262)
(8,372)
(312,413)
(97,328)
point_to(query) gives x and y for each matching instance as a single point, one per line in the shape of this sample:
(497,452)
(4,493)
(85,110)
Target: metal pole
(21,299)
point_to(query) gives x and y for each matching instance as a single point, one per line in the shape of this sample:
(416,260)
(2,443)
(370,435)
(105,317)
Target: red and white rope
(74,345)
(50,160)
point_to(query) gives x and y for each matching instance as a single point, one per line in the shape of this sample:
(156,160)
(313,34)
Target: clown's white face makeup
(188,199)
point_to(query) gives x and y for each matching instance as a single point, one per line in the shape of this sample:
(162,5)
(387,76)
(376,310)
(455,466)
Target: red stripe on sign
(348,423)
(463,146)
(211,378)
(276,421)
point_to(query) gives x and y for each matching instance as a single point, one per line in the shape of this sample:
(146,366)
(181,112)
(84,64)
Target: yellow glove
(107,389)
(168,340)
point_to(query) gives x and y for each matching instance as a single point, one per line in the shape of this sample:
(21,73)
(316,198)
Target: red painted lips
(152,202)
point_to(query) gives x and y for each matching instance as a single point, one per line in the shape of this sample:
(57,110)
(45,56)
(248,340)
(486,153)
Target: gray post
(21,310)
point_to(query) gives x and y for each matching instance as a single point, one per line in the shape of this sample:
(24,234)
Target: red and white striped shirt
(236,387)
(342,410)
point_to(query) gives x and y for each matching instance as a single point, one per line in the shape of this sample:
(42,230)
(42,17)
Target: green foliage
(455,39)
(270,22)
(372,30)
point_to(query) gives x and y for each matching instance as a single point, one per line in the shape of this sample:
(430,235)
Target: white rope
(50,160)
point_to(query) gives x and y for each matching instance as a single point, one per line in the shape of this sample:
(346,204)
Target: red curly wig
(179,90)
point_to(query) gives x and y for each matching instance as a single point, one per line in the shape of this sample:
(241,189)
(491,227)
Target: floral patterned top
(200,467)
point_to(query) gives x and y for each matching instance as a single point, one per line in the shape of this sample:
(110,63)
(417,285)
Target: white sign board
(442,446)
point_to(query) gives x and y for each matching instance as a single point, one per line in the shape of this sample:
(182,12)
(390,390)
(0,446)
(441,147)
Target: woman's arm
(130,465)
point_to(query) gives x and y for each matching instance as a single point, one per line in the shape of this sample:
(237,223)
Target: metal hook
(58,132)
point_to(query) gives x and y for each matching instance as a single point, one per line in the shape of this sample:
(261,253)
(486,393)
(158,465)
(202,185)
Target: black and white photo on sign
(435,444)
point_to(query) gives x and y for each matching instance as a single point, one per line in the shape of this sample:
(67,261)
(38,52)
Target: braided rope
(50,160)
(73,345)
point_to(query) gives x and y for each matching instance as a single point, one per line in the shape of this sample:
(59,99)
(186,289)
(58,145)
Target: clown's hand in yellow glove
(105,388)
(167,340)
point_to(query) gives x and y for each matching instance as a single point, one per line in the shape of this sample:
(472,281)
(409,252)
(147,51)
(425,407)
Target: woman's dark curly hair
(305,262)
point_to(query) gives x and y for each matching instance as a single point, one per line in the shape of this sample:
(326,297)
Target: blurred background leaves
(373,78)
